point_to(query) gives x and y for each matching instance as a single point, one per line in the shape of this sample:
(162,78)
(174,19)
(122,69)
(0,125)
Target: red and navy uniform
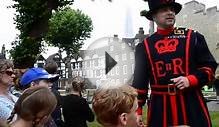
(169,54)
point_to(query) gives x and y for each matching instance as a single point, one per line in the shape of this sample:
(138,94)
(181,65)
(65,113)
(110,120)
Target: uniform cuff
(139,111)
(193,81)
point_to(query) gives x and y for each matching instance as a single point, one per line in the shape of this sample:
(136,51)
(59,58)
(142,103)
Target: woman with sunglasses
(7,100)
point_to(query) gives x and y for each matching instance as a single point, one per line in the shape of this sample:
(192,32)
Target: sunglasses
(9,73)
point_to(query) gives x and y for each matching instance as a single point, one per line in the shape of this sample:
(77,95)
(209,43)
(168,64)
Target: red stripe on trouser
(208,72)
(141,91)
(183,109)
(204,108)
(174,110)
(164,111)
(209,75)
(187,51)
(207,68)
(140,101)
(149,114)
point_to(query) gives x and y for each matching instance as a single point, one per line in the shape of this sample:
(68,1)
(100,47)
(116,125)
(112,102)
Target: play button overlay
(109,62)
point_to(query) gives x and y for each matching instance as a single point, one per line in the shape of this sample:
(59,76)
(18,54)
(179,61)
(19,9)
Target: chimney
(141,31)
(115,37)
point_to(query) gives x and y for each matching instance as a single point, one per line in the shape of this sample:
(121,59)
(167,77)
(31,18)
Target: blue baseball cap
(33,74)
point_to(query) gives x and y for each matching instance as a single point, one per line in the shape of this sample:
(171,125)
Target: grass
(214,118)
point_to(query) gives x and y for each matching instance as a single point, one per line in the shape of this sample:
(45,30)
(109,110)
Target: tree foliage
(32,21)
(32,17)
(25,52)
(68,29)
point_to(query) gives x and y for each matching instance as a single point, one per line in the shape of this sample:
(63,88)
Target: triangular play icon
(110,62)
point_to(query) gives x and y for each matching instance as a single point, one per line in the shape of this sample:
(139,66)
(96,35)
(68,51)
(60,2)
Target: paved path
(213,106)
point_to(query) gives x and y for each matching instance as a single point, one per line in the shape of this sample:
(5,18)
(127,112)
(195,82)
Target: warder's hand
(181,82)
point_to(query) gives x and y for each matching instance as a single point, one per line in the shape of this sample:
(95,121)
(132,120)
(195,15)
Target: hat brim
(177,7)
(51,77)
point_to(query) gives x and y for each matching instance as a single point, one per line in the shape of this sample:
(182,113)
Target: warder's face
(164,17)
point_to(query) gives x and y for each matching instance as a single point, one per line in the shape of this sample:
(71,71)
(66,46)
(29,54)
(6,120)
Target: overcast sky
(108,18)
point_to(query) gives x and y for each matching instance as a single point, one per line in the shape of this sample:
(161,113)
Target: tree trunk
(68,60)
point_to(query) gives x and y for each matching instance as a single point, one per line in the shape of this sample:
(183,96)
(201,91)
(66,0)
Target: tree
(32,17)
(24,52)
(32,21)
(68,29)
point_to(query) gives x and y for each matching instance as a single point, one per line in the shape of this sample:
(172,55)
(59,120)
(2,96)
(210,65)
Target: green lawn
(214,118)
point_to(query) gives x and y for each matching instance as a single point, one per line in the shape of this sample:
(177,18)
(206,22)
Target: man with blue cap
(37,76)
(177,63)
